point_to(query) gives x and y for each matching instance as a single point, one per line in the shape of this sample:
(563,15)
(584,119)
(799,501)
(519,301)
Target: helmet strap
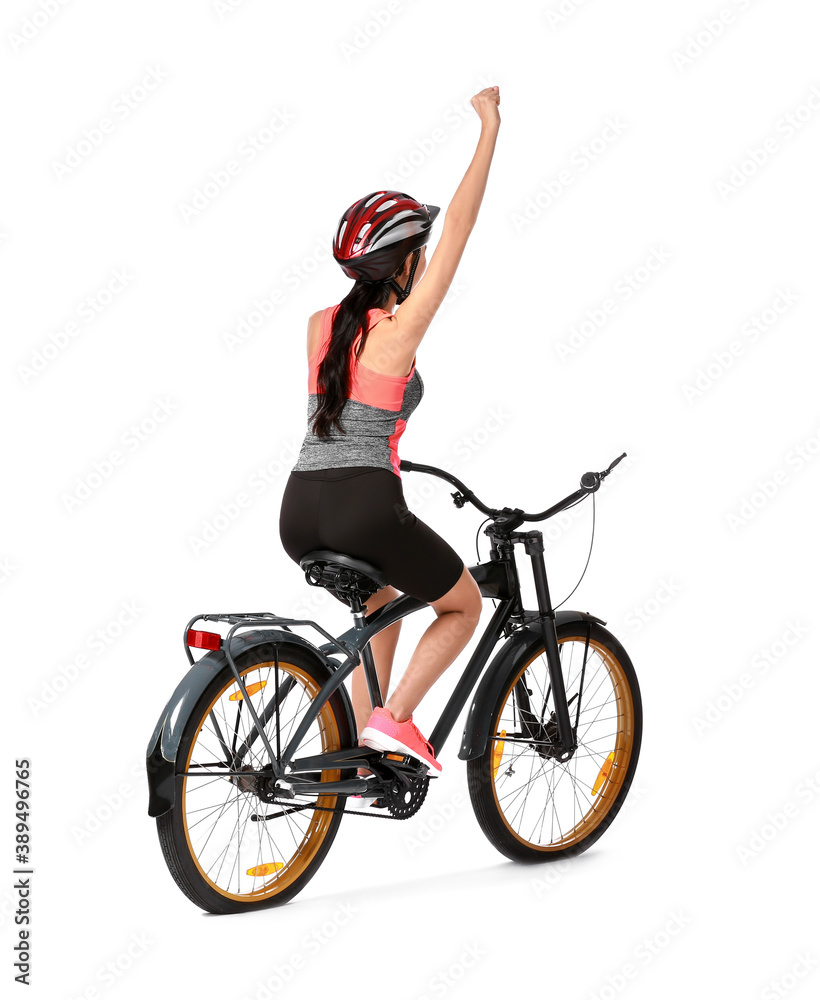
(402,293)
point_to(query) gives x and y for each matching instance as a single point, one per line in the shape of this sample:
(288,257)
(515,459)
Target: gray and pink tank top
(374,415)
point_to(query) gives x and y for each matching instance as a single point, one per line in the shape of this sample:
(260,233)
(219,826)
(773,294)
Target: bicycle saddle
(340,572)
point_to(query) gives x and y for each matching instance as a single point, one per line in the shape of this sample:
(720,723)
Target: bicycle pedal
(412,767)
(407,760)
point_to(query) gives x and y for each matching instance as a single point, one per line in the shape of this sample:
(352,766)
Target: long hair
(333,381)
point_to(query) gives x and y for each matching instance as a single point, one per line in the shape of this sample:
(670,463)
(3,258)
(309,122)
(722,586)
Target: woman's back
(374,415)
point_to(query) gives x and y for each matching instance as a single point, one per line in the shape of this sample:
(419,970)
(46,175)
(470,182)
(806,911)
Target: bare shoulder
(314,331)
(386,350)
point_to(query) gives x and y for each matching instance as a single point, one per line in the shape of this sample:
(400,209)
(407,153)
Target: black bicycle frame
(497,578)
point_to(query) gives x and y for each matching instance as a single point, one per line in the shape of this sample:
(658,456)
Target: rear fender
(163,746)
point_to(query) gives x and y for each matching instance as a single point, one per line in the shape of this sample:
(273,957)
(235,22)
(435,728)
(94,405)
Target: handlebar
(511,517)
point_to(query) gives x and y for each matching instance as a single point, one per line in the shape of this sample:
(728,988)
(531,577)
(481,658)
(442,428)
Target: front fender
(515,652)
(164,743)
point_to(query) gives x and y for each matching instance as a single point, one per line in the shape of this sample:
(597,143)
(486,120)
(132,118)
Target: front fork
(534,546)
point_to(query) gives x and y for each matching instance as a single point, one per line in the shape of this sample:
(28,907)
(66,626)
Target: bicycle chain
(418,786)
(341,809)
(420,794)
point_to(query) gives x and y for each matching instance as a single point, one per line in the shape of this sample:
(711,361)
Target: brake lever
(613,464)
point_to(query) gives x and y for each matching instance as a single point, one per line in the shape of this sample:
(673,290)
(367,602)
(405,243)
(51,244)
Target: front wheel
(531,806)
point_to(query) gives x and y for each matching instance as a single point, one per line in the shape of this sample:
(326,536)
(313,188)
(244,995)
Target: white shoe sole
(360,801)
(377,740)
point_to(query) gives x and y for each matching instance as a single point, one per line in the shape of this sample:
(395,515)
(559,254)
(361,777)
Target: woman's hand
(486,104)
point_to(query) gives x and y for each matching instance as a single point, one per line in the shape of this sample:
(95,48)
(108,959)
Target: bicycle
(248,797)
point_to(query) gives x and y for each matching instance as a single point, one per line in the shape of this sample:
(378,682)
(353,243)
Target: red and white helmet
(376,233)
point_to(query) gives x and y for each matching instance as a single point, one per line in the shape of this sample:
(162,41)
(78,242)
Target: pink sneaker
(382,732)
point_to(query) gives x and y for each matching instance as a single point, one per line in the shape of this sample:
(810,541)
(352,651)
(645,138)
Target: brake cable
(591,540)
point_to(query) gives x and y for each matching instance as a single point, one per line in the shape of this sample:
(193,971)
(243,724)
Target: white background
(706,537)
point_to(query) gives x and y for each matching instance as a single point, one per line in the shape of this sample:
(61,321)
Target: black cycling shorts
(361,511)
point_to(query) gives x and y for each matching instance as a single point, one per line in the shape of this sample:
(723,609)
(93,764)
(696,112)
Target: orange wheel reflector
(250,688)
(603,774)
(498,751)
(268,869)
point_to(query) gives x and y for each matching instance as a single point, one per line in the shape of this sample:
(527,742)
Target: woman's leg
(383,646)
(457,614)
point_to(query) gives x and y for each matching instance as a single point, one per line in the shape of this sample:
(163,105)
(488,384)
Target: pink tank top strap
(373,318)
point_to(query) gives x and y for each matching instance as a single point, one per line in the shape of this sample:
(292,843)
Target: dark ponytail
(334,373)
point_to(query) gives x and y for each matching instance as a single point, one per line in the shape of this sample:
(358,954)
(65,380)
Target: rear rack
(262,618)
(240,620)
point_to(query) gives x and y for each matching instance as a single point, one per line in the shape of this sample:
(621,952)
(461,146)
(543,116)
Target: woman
(345,490)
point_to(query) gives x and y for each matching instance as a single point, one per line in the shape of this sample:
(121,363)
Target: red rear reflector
(204,640)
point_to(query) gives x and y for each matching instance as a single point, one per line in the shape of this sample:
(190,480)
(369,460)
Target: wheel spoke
(544,802)
(239,854)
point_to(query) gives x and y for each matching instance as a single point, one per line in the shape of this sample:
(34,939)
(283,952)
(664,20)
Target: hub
(545,737)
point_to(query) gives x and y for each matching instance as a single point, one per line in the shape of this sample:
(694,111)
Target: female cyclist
(345,490)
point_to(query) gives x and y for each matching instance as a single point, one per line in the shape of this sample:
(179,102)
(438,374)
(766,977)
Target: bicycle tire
(491,802)
(176,827)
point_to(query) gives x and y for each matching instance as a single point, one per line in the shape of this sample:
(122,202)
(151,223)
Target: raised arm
(413,316)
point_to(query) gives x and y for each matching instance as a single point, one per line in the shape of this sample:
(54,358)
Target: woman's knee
(464,598)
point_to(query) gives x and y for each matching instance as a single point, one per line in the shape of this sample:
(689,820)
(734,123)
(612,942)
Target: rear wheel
(531,806)
(228,849)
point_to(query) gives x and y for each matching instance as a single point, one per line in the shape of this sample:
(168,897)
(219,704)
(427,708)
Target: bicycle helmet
(376,233)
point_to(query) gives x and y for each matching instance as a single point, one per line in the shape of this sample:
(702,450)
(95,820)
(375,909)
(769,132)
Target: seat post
(370,675)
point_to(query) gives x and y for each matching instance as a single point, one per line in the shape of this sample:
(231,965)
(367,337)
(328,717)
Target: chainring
(404,794)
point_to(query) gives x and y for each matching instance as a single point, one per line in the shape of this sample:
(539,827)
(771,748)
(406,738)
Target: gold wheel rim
(319,824)
(612,782)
